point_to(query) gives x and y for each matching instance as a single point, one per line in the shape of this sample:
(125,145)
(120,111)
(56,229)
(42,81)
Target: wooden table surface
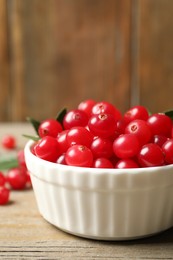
(24,234)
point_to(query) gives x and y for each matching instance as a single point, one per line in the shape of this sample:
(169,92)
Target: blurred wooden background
(55,53)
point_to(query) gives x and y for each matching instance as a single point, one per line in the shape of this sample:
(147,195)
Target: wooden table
(24,234)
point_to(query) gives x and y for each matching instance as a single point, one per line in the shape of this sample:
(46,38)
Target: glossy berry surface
(151,155)
(97,134)
(121,125)
(141,129)
(159,139)
(102,163)
(126,146)
(168,151)
(87,106)
(63,144)
(61,159)
(103,125)
(49,127)
(136,112)
(102,147)
(79,135)
(79,155)
(126,163)
(160,124)
(75,117)
(47,149)
(106,108)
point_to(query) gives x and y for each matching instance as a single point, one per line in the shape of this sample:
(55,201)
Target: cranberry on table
(4,195)
(2,179)
(8,142)
(17,179)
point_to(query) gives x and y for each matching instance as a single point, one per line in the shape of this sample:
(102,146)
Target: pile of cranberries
(15,177)
(98,135)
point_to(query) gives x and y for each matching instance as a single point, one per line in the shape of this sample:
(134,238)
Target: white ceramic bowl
(106,204)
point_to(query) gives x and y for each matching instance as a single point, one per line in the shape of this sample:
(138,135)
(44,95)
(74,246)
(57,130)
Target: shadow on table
(162,237)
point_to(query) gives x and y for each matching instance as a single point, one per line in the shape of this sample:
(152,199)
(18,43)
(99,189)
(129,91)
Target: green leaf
(169,113)
(34,138)
(8,163)
(34,123)
(60,115)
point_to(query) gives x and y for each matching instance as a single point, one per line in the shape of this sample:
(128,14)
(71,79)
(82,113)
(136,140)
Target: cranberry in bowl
(105,175)
(106,204)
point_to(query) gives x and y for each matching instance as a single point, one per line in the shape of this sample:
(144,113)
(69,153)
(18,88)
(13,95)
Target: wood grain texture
(4,64)
(156,54)
(56,53)
(63,52)
(17,95)
(24,234)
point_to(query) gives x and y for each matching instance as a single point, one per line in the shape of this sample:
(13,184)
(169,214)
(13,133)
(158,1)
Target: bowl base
(104,238)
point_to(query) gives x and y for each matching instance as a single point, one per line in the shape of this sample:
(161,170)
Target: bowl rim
(114,171)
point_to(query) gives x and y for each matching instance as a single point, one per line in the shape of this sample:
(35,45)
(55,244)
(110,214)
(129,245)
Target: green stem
(6,164)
